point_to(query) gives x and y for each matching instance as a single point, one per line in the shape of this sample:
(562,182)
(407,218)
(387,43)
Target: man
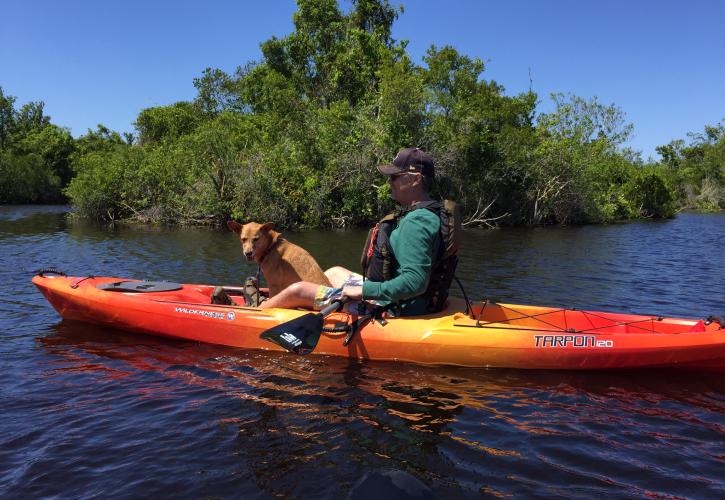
(407,249)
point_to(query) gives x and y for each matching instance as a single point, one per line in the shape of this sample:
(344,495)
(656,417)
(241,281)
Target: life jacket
(379,263)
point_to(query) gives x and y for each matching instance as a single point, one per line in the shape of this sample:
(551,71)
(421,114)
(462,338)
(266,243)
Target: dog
(282,262)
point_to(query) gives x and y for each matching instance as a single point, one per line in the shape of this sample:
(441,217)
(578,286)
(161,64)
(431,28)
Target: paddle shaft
(334,306)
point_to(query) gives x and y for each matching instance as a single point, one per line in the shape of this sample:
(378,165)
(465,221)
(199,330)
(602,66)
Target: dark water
(89,412)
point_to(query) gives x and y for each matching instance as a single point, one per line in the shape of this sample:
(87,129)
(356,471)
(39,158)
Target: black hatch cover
(140,286)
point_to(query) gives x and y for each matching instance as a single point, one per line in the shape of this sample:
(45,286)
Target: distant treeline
(294,139)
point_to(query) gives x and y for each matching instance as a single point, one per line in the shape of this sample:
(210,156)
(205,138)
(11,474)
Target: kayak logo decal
(290,339)
(200,312)
(231,315)
(571,341)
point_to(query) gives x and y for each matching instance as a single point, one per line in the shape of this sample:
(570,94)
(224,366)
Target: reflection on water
(96,412)
(455,428)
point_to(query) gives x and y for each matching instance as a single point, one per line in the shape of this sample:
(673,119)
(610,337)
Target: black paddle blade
(299,336)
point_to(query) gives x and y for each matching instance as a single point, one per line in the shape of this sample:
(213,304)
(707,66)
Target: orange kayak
(489,335)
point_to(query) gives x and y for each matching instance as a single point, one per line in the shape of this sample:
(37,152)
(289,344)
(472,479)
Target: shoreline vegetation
(294,137)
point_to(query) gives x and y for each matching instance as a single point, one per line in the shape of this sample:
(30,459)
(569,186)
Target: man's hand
(350,292)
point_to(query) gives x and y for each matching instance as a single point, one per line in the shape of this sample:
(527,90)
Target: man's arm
(414,248)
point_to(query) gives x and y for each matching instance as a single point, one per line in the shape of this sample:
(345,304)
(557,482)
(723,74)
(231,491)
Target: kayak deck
(492,335)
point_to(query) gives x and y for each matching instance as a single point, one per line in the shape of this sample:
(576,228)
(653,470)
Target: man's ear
(234,226)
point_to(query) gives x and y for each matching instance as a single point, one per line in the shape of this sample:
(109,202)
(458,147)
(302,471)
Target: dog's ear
(234,226)
(269,229)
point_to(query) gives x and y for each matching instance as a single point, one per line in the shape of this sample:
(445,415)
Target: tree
(31,117)
(216,92)
(167,122)
(100,139)
(54,146)
(7,117)
(586,121)
(294,137)
(472,125)
(35,154)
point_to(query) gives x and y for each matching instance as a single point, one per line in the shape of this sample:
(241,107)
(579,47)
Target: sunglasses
(396,176)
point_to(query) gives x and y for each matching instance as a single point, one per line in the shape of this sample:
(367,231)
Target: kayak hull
(494,335)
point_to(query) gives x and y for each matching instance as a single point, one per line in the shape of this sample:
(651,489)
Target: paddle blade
(299,336)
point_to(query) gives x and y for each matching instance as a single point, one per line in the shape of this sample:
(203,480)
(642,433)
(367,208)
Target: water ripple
(93,412)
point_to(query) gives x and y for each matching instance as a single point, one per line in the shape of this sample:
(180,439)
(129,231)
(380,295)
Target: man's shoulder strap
(450,215)
(452,240)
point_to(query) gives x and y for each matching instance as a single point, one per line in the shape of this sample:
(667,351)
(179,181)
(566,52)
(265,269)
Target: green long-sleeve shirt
(415,243)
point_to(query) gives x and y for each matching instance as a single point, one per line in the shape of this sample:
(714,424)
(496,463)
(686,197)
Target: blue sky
(91,62)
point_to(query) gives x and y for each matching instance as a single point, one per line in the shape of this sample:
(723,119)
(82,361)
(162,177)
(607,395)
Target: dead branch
(478,218)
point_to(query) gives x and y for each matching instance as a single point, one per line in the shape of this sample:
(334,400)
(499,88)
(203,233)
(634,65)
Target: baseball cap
(410,160)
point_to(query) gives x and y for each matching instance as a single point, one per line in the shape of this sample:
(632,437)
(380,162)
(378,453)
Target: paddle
(301,335)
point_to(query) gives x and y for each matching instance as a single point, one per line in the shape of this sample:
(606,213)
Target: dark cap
(410,160)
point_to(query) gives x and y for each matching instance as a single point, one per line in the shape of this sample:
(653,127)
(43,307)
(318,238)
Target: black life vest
(379,263)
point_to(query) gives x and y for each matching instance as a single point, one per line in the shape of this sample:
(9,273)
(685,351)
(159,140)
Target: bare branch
(478,218)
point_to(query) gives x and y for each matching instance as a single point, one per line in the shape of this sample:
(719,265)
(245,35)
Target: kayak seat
(220,296)
(238,300)
(249,295)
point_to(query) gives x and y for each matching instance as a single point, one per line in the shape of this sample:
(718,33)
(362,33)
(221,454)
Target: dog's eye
(256,238)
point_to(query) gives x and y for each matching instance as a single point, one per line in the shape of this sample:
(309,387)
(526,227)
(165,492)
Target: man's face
(401,186)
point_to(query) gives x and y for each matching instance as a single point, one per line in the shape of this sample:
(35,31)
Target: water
(91,412)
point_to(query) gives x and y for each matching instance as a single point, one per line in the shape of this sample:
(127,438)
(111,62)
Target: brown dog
(282,262)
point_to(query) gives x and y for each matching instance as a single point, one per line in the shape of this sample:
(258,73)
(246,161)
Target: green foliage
(34,154)
(7,117)
(24,179)
(697,170)
(578,175)
(294,137)
(650,194)
(101,139)
(400,106)
(585,121)
(215,92)
(167,122)
(478,135)
(100,188)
